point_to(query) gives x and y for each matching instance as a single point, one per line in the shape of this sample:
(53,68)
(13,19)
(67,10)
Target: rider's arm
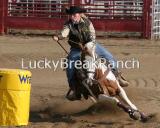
(63,34)
(90,46)
(65,31)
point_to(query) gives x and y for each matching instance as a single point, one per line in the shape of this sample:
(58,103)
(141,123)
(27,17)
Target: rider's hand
(55,38)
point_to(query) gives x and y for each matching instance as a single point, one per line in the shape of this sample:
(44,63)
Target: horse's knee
(113,91)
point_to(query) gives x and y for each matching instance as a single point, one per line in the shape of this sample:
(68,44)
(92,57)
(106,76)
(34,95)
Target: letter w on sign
(24,79)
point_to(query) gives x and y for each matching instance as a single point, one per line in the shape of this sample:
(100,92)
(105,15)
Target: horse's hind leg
(104,97)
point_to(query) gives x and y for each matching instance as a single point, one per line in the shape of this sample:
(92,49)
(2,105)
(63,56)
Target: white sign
(87,1)
(13,1)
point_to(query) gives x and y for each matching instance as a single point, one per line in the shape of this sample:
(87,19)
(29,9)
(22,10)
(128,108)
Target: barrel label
(25,79)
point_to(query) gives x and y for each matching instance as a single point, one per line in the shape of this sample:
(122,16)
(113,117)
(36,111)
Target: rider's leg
(104,53)
(74,55)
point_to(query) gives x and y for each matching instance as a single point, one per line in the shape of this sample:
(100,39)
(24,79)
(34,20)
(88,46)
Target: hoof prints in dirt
(146,82)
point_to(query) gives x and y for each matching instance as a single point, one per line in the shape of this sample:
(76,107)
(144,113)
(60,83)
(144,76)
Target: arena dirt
(50,109)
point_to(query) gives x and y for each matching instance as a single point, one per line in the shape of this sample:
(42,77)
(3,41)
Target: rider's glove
(55,38)
(90,46)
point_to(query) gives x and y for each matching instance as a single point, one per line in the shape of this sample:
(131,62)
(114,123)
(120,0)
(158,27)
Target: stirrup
(122,81)
(73,96)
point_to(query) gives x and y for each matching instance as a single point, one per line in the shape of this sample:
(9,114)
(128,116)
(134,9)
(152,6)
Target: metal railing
(99,9)
(155,34)
(38,8)
(115,9)
(106,15)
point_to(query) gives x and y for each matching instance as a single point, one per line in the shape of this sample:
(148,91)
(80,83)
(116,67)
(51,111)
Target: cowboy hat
(75,9)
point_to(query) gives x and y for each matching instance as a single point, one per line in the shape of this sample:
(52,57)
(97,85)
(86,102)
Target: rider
(80,29)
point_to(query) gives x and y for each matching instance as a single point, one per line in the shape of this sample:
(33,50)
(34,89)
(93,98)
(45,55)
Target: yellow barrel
(15,89)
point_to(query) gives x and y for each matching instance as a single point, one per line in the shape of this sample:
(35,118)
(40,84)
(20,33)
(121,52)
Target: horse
(98,83)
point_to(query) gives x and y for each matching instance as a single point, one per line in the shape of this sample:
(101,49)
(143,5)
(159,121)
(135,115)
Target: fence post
(2,17)
(146,19)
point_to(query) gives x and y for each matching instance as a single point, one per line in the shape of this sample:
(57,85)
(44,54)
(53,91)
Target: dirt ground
(50,109)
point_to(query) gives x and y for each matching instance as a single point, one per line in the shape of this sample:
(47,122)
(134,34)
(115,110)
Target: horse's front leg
(124,96)
(132,111)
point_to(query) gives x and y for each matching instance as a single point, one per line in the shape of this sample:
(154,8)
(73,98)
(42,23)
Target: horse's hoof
(144,118)
(134,114)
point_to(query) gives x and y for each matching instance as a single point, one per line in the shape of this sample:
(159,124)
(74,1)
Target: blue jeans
(74,55)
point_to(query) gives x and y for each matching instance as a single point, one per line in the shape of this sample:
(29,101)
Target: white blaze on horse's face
(89,61)
(90,47)
(90,58)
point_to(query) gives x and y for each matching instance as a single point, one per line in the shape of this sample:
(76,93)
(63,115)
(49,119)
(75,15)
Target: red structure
(2,16)
(106,15)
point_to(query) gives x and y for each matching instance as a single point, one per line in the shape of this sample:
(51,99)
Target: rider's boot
(74,96)
(122,81)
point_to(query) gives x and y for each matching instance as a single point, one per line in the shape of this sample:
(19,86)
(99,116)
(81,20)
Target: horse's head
(91,61)
(88,57)
(88,50)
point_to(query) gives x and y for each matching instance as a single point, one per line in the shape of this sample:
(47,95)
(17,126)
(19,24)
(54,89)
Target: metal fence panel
(156,19)
(96,9)
(115,9)
(106,15)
